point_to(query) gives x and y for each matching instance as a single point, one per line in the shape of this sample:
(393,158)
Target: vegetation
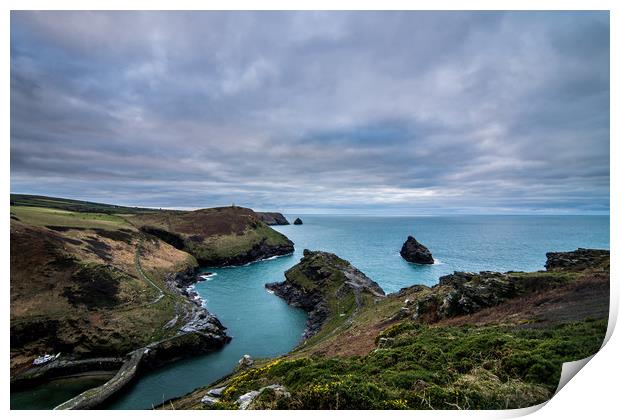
(76,286)
(507,353)
(218,236)
(88,279)
(24,200)
(427,367)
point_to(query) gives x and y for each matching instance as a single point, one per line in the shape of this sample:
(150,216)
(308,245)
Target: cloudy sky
(391,113)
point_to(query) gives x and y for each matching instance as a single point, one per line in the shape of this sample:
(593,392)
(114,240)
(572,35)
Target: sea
(262,325)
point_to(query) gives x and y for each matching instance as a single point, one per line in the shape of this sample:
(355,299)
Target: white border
(591,395)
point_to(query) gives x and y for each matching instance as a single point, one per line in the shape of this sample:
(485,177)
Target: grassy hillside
(217,236)
(88,279)
(474,341)
(73,205)
(76,286)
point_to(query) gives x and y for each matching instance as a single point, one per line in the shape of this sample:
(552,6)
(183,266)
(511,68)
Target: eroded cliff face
(272,218)
(217,237)
(577,260)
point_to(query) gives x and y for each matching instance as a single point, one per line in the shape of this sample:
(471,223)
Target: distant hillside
(217,236)
(73,205)
(97,280)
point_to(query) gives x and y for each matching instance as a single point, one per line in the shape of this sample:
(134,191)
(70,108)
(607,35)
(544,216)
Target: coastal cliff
(325,286)
(474,341)
(94,286)
(272,218)
(216,237)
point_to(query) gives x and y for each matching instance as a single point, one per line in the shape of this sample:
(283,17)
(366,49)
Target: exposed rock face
(579,259)
(463,293)
(415,252)
(216,392)
(208,400)
(245,401)
(298,222)
(183,279)
(259,251)
(272,218)
(245,362)
(219,236)
(318,282)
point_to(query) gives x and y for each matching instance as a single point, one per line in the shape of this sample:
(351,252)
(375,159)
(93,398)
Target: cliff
(216,237)
(474,341)
(272,218)
(326,286)
(94,288)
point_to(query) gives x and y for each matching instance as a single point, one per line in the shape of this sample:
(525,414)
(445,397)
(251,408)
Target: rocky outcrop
(257,252)
(246,400)
(415,252)
(464,293)
(319,282)
(245,362)
(272,218)
(298,222)
(579,259)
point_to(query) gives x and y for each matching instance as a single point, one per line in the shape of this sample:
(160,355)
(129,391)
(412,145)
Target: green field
(73,205)
(40,216)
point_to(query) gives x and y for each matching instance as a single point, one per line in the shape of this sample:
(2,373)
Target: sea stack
(415,252)
(298,222)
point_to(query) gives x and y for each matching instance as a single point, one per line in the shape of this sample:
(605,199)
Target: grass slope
(218,236)
(75,287)
(415,350)
(73,205)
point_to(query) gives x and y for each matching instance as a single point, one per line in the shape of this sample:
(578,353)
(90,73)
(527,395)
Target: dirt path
(144,275)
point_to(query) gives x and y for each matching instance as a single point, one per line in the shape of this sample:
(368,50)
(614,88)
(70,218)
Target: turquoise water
(263,325)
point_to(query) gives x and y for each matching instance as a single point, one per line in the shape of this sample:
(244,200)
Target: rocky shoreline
(259,251)
(200,332)
(306,285)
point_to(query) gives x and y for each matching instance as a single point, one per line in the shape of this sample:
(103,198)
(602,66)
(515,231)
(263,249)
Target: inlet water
(262,325)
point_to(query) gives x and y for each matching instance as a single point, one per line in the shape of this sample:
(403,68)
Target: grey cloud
(324,111)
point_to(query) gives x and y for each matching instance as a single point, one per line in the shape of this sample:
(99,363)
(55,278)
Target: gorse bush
(432,367)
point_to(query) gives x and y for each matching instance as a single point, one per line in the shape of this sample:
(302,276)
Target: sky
(395,113)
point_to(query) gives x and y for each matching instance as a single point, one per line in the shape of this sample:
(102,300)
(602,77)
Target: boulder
(245,362)
(216,392)
(246,399)
(415,252)
(208,400)
(298,222)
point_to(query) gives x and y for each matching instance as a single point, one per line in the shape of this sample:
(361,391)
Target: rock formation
(298,222)
(272,218)
(415,252)
(319,283)
(579,259)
